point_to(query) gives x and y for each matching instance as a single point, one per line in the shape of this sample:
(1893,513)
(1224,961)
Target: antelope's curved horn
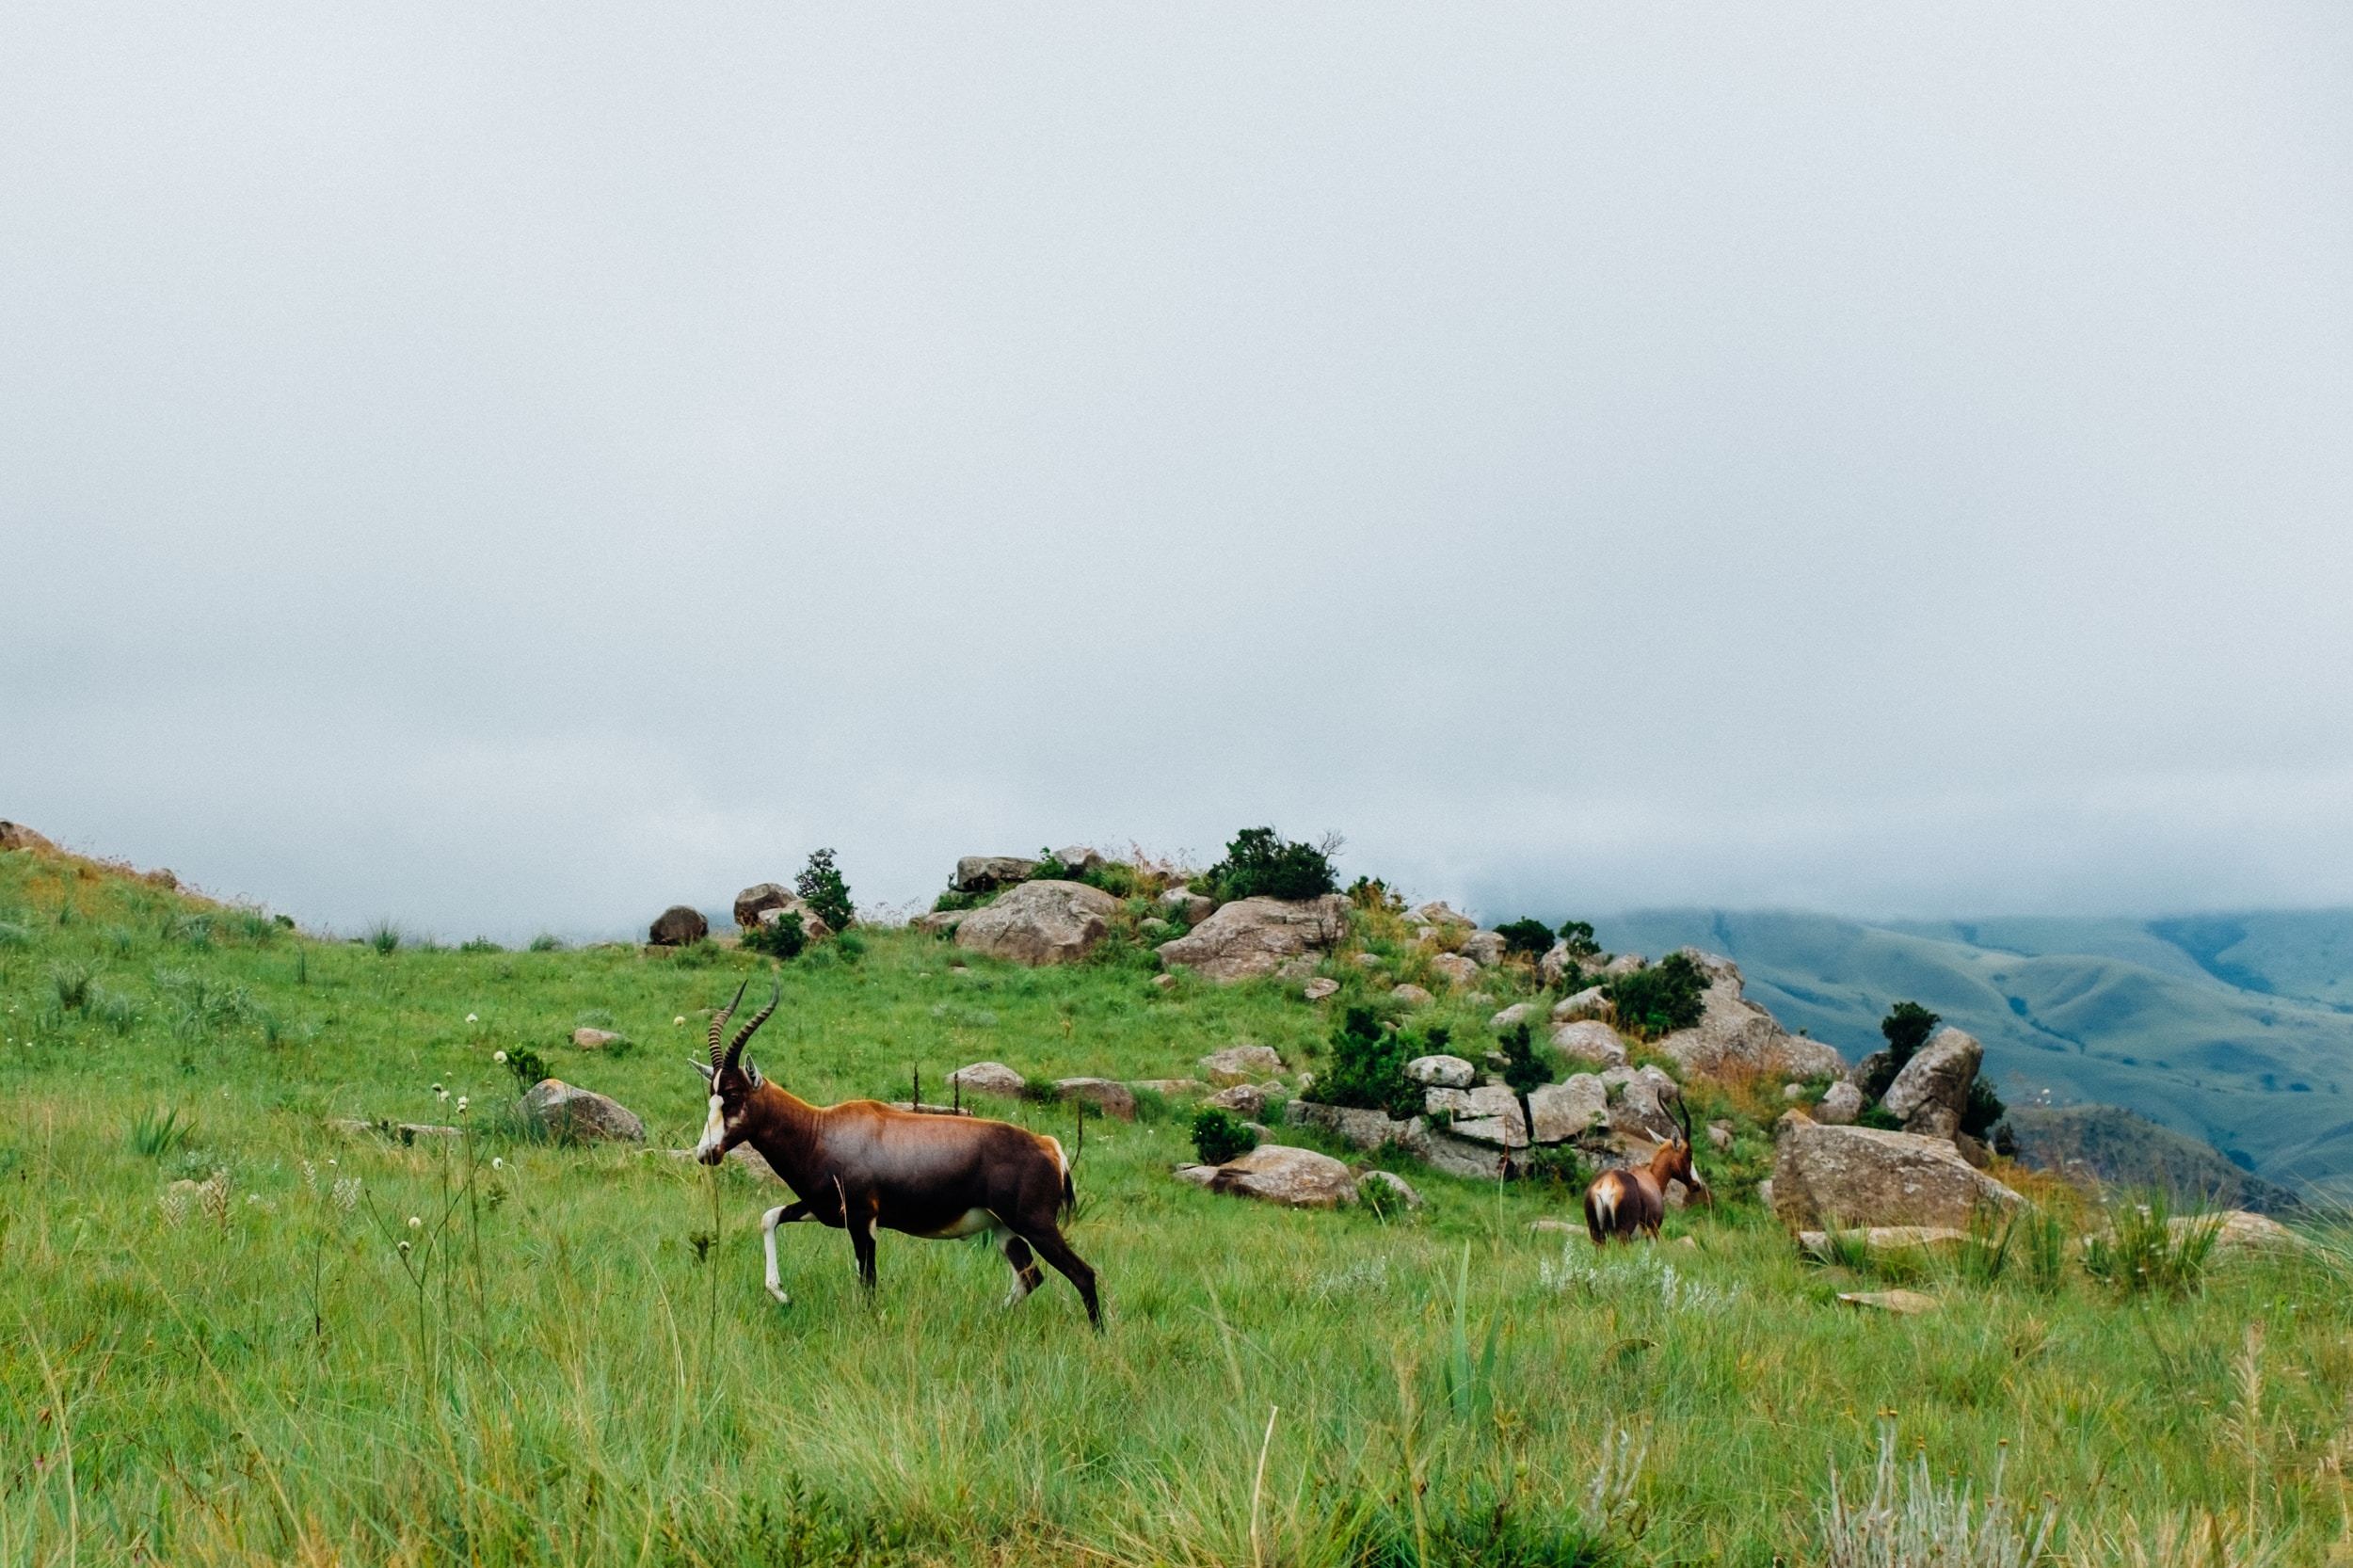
(1684,1115)
(735,1047)
(719,1022)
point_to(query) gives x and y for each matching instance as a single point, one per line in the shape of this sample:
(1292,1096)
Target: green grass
(573,1360)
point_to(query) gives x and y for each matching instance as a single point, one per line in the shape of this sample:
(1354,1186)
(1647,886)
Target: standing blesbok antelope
(1633,1202)
(861,1164)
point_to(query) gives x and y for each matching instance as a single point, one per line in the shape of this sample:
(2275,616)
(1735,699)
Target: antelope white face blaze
(714,1132)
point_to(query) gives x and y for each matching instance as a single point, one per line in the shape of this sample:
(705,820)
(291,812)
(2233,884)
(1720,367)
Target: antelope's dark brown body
(862,1165)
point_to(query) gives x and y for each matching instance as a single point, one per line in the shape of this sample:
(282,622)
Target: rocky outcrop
(1079,860)
(1254,936)
(1931,1093)
(987,1077)
(1736,1036)
(1553,967)
(1107,1095)
(1592,1003)
(1856,1175)
(1513,1016)
(1639,1110)
(1040,922)
(985,874)
(1277,1173)
(1488,1114)
(677,926)
(580,1113)
(938,923)
(762,896)
(1240,1065)
(1367,1129)
(1246,1100)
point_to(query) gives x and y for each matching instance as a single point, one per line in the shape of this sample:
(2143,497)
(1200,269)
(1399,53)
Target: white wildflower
(499,1056)
(415,1223)
(472,1019)
(679,1019)
(498,1163)
(462,1105)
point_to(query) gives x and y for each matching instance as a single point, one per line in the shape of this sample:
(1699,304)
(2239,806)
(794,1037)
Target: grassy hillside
(573,1361)
(2097,1011)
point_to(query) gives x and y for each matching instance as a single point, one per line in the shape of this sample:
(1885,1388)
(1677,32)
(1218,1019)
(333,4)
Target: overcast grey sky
(504,468)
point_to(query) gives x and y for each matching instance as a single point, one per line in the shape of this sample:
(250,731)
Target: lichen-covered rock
(1320,988)
(1592,1003)
(1367,1129)
(1590,1040)
(574,1113)
(1736,1036)
(1490,1114)
(938,923)
(1931,1093)
(1040,922)
(1246,1100)
(593,1039)
(1554,965)
(1240,1065)
(1254,936)
(1513,1016)
(1484,948)
(1188,905)
(1559,1112)
(759,896)
(1412,996)
(1839,1105)
(1442,1072)
(1858,1175)
(1277,1173)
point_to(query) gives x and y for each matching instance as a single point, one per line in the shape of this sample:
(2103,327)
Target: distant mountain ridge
(2236,1029)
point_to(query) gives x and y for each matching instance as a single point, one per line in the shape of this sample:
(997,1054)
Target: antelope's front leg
(768,1224)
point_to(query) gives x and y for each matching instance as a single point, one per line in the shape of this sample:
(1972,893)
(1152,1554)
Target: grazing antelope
(1633,1202)
(861,1164)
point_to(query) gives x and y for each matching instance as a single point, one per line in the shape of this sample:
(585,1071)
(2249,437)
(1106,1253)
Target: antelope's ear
(751,1071)
(710,1074)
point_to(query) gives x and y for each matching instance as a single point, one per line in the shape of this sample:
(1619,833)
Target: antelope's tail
(1069,1191)
(1601,1210)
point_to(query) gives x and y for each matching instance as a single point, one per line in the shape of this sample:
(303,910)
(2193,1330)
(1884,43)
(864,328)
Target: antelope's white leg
(768,1224)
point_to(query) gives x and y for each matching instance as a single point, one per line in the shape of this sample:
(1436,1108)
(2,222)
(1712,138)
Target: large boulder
(676,927)
(1639,1110)
(985,874)
(1188,905)
(1254,937)
(1559,1112)
(1442,1072)
(1277,1173)
(1592,1003)
(1411,996)
(1246,1100)
(938,923)
(814,925)
(1456,969)
(582,1113)
(1840,1105)
(1367,1129)
(1857,1176)
(1553,967)
(1079,860)
(762,896)
(1590,1040)
(1513,1016)
(1107,1095)
(1484,948)
(1931,1093)
(987,1077)
(1736,1037)
(1040,922)
(1240,1065)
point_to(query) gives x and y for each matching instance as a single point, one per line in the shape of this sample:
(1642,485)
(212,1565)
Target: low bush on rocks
(1219,1136)
(1661,998)
(1261,863)
(1530,937)
(1366,1070)
(783,938)
(1523,1068)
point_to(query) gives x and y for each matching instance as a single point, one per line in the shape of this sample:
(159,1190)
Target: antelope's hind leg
(1027,1275)
(1051,1247)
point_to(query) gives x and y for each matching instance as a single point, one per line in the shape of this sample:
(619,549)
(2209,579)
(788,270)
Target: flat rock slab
(1859,1175)
(987,1077)
(1904,1304)
(1240,1065)
(1276,1173)
(1255,936)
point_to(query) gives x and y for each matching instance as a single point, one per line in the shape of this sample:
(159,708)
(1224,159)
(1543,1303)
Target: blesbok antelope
(1633,1202)
(863,1164)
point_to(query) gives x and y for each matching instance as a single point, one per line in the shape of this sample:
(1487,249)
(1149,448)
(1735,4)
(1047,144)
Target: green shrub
(823,890)
(1908,1026)
(1259,863)
(70,982)
(953,900)
(781,937)
(1220,1135)
(479,944)
(157,1132)
(15,934)
(1523,1068)
(1555,1165)
(1528,937)
(2148,1249)
(1579,935)
(1984,1109)
(547,941)
(1370,893)
(384,937)
(528,1066)
(1366,1070)
(1665,996)
(1878,1116)
(118,1012)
